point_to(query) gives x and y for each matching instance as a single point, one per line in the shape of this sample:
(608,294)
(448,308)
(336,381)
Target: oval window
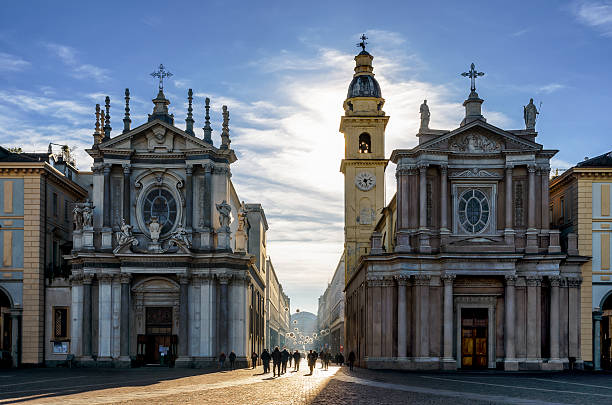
(161,204)
(474,211)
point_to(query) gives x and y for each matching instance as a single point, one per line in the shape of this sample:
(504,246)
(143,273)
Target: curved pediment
(156,285)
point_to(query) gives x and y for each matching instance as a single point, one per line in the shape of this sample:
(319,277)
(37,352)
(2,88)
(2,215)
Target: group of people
(232,360)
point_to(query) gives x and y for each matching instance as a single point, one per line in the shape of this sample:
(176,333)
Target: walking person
(221,360)
(290,358)
(351,359)
(232,359)
(297,357)
(276,362)
(254,357)
(265,360)
(284,359)
(312,361)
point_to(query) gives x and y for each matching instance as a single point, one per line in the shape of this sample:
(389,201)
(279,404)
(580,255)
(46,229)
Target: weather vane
(363,42)
(472,74)
(161,73)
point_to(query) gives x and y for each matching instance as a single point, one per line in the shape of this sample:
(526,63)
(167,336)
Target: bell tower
(364,163)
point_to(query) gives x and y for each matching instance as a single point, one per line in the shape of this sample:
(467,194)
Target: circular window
(474,211)
(161,204)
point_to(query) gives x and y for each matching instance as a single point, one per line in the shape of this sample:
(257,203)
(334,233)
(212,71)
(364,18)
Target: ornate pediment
(474,173)
(474,143)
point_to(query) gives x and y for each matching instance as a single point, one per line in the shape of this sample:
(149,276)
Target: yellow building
(37,193)
(580,203)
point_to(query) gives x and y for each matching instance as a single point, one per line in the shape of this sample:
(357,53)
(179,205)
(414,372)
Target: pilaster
(510,361)
(449,363)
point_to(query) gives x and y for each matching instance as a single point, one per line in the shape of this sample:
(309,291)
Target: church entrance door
(474,331)
(159,343)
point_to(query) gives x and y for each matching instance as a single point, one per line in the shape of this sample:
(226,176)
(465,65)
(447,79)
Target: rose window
(161,204)
(474,211)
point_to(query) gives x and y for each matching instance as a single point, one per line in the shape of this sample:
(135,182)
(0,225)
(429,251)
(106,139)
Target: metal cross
(161,73)
(363,42)
(472,74)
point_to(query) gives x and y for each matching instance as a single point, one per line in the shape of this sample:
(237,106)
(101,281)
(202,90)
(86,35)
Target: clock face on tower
(365,181)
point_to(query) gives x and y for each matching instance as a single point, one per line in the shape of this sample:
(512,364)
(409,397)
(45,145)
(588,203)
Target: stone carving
(424,110)
(241,234)
(125,237)
(225,214)
(82,215)
(88,216)
(77,217)
(530,114)
(475,172)
(475,143)
(154,229)
(179,238)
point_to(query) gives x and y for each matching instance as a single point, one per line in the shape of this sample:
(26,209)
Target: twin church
(460,269)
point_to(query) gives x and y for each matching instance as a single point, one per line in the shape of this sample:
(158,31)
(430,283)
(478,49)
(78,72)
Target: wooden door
(474,338)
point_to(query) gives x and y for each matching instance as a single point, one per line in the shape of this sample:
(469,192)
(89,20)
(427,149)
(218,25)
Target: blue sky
(283,69)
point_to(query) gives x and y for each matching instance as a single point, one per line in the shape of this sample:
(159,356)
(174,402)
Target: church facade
(168,265)
(461,269)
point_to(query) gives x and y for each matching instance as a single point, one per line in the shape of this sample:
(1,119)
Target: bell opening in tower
(365,143)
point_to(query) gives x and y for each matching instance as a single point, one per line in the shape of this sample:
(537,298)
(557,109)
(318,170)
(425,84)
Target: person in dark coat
(284,359)
(276,361)
(254,357)
(312,361)
(290,358)
(339,359)
(221,360)
(232,359)
(351,359)
(297,357)
(265,359)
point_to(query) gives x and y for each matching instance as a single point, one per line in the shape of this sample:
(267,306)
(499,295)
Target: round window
(161,204)
(474,211)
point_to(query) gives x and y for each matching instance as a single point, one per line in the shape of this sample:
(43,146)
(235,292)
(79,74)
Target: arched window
(365,144)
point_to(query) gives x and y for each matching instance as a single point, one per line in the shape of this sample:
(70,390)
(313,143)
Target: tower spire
(207,128)
(107,126)
(126,120)
(189,120)
(97,132)
(225,133)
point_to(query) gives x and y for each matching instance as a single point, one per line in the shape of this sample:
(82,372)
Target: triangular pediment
(156,136)
(479,137)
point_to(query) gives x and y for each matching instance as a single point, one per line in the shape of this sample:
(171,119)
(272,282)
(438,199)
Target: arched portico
(10,326)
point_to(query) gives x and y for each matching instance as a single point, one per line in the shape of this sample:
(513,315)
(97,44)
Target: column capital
(107,168)
(574,281)
(531,168)
(423,168)
(87,278)
(125,278)
(224,278)
(534,281)
(76,279)
(555,281)
(448,278)
(105,278)
(509,167)
(387,281)
(127,169)
(402,279)
(208,168)
(189,170)
(510,280)
(374,280)
(444,168)
(183,278)
(422,279)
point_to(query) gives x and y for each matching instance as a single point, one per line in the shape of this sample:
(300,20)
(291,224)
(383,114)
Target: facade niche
(365,143)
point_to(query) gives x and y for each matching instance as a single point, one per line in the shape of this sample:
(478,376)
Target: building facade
(462,269)
(277,310)
(38,193)
(303,325)
(580,204)
(330,315)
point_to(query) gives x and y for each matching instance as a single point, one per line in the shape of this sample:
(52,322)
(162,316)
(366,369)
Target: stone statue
(424,110)
(530,113)
(77,217)
(154,229)
(125,237)
(87,214)
(225,214)
(179,238)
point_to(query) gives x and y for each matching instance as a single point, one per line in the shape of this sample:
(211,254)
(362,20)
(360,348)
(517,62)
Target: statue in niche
(154,229)
(180,238)
(87,215)
(530,113)
(77,217)
(225,215)
(125,237)
(424,110)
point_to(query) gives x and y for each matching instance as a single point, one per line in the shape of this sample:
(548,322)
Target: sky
(283,69)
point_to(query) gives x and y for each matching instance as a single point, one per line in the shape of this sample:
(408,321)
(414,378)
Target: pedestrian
(296,360)
(284,359)
(221,360)
(265,360)
(290,358)
(312,361)
(276,361)
(232,359)
(254,357)
(326,358)
(351,359)
(339,359)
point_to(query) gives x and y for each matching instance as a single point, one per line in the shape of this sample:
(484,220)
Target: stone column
(444,198)
(532,233)
(403,199)
(188,197)
(509,225)
(424,246)
(554,318)
(87,280)
(124,350)
(402,342)
(206,203)
(422,283)
(104,316)
(224,280)
(15,336)
(448,320)
(533,283)
(106,219)
(545,198)
(597,317)
(183,339)
(573,289)
(126,193)
(510,362)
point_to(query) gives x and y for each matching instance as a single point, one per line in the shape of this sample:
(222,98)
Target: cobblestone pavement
(335,386)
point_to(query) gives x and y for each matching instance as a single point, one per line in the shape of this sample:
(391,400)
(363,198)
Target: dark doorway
(6,331)
(474,338)
(606,334)
(158,345)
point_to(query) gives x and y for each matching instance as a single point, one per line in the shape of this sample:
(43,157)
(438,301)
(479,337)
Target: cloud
(596,14)
(520,32)
(68,56)
(12,63)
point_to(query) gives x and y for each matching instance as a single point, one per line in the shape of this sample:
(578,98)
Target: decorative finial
(363,42)
(189,120)
(472,74)
(225,133)
(97,132)
(126,120)
(161,73)
(107,127)
(207,128)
